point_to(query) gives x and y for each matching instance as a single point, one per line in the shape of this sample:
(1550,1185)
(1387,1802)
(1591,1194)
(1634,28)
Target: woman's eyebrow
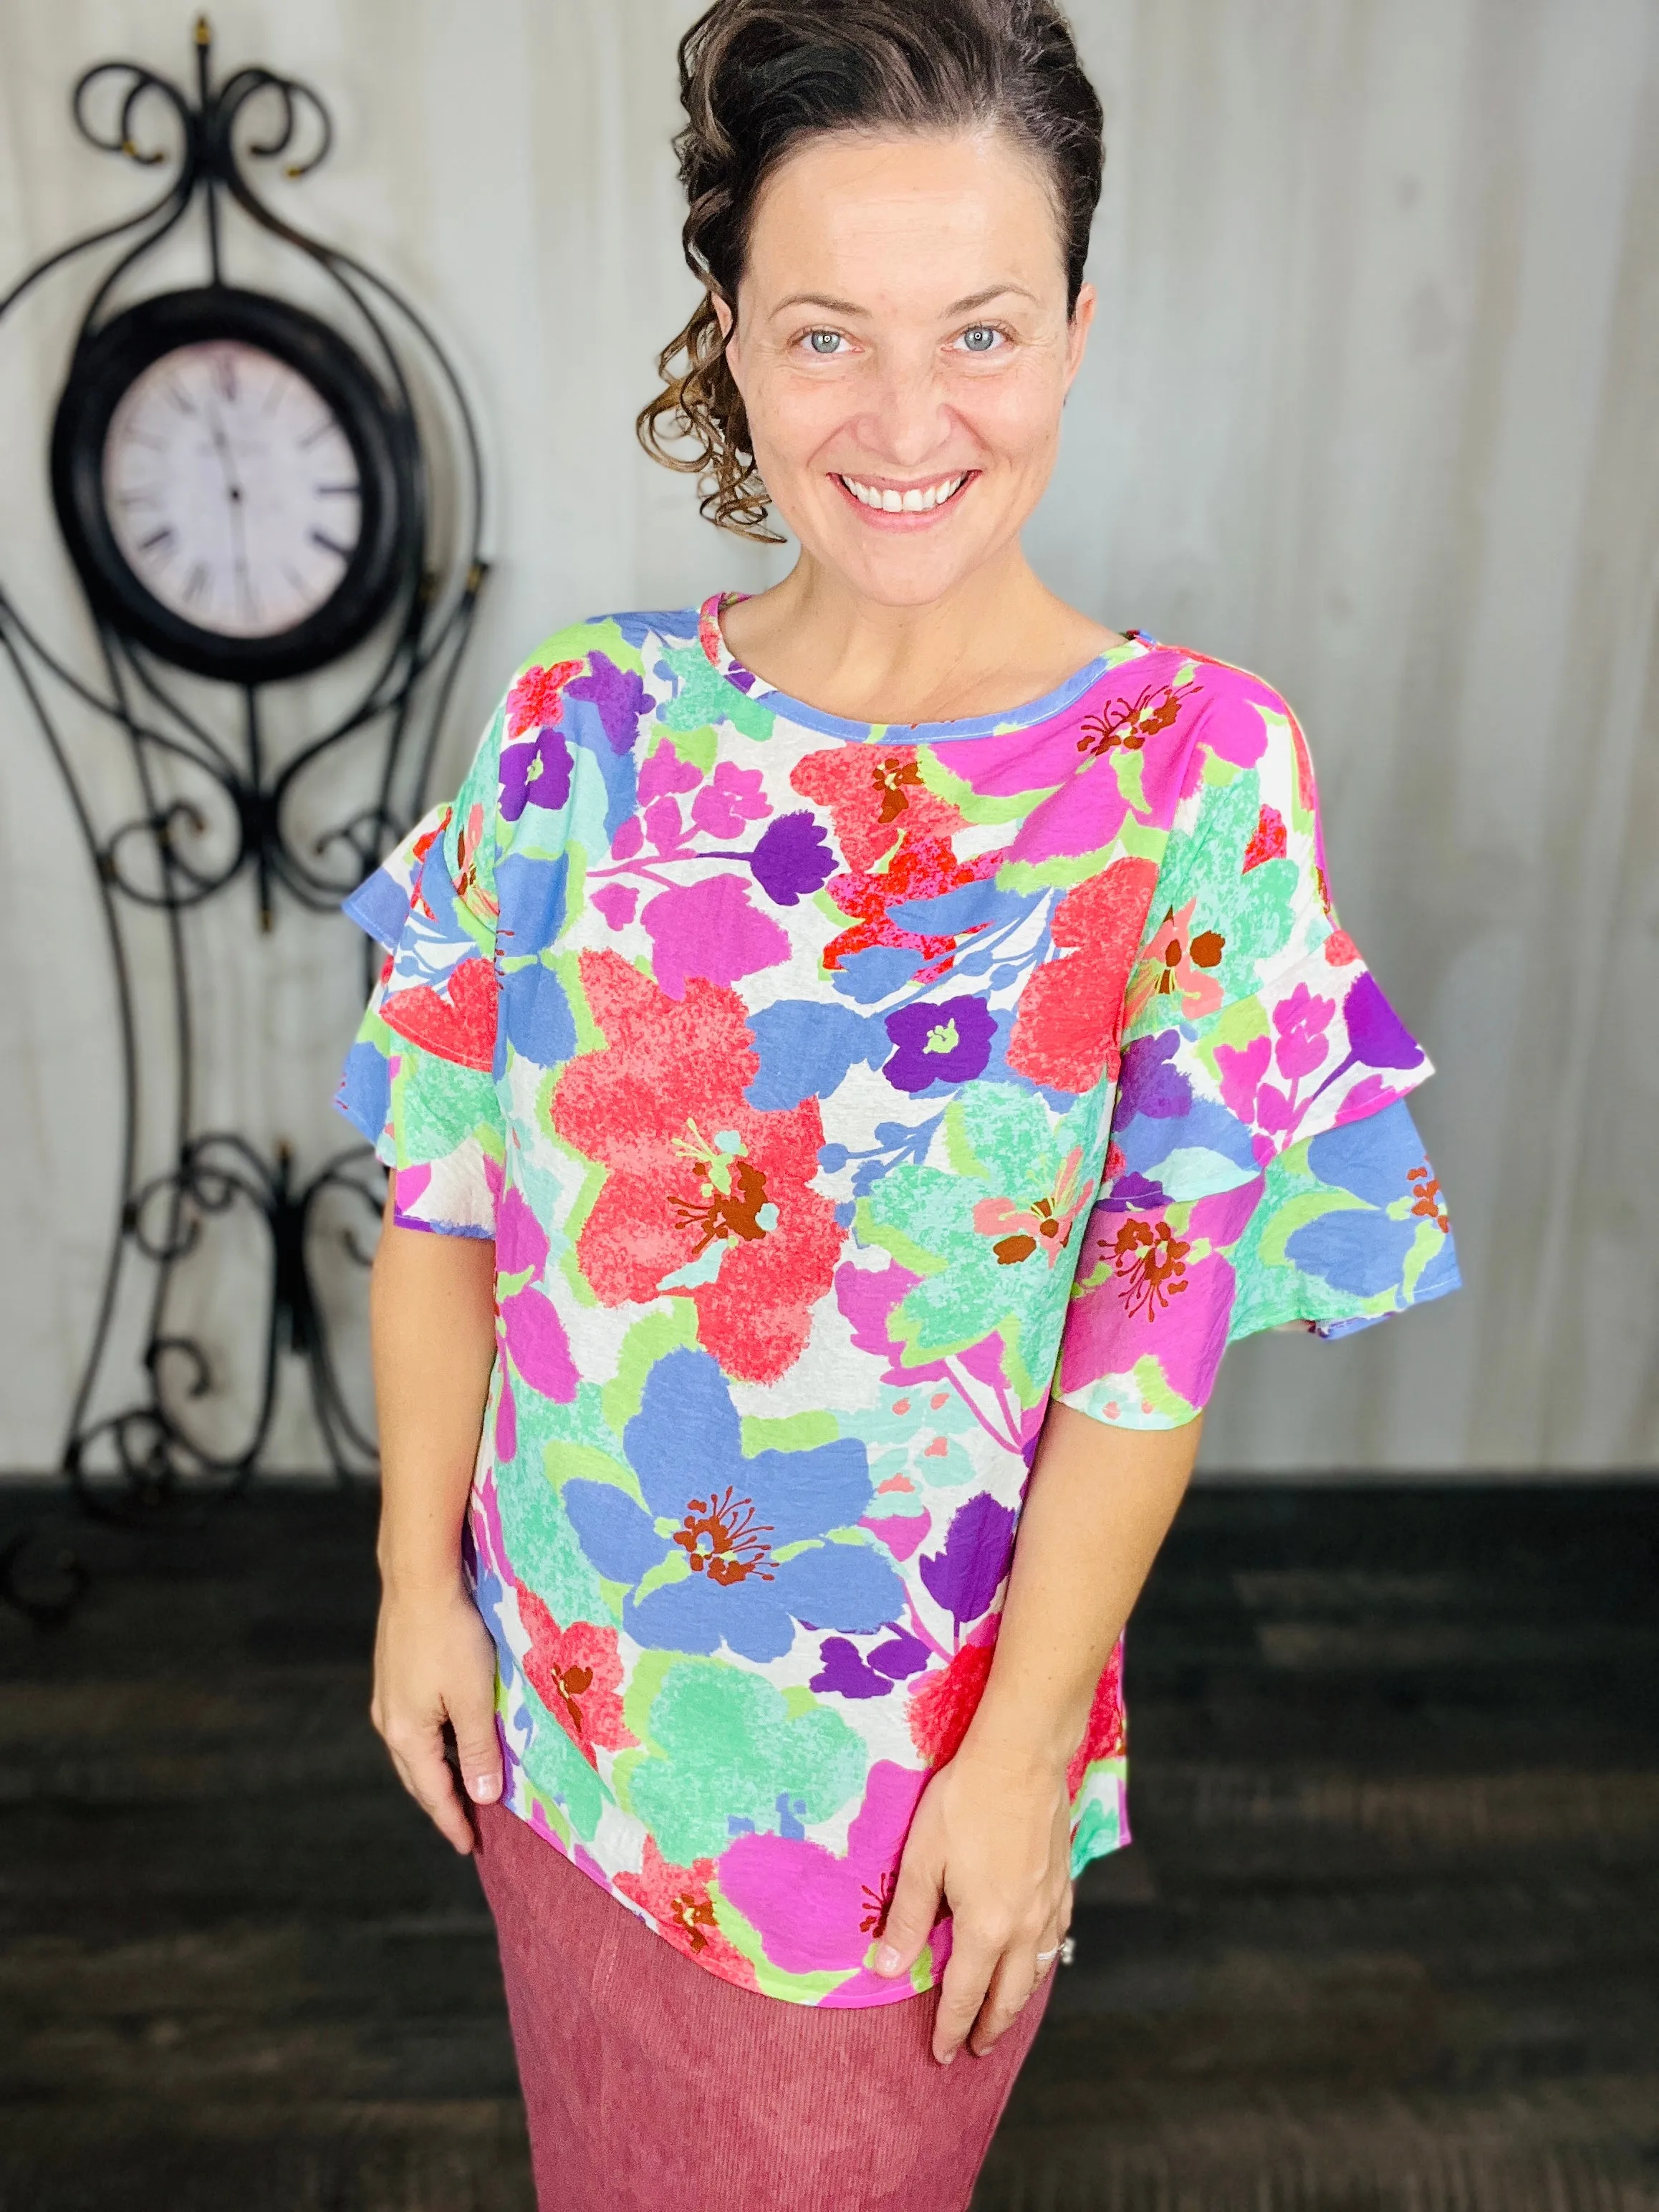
(962,306)
(984,299)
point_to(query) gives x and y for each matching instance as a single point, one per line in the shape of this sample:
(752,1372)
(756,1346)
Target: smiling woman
(865,1050)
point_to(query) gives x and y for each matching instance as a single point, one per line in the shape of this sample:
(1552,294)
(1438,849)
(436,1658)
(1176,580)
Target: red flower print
(458,1023)
(1150,1261)
(577,1673)
(895,834)
(1066,1030)
(1124,725)
(943,1702)
(876,796)
(1175,963)
(1425,1191)
(706,1197)
(1268,843)
(679,1900)
(1106,1735)
(536,701)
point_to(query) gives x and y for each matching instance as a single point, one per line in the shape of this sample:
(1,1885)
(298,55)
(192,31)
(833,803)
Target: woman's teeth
(921,499)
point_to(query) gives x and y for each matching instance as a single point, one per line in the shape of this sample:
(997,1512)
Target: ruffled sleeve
(1263,1171)
(420,1080)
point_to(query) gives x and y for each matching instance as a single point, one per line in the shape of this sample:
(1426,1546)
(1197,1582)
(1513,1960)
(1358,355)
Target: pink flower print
(1107,1334)
(536,701)
(1302,1021)
(537,1346)
(664,826)
(1269,841)
(1176,963)
(733,796)
(817,1911)
(1150,1263)
(710,929)
(1340,949)
(616,903)
(1044,1226)
(679,1899)
(665,772)
(1124,726)
(1241,1068)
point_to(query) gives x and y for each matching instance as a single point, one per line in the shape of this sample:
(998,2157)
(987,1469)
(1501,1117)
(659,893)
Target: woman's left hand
(994,1842)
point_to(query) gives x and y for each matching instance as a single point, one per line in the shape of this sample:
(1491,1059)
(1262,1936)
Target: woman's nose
(906,422)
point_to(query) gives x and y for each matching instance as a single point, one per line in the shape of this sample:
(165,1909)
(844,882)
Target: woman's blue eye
(824,341)
(980,339)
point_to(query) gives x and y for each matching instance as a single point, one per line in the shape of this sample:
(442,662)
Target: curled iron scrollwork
(221,794)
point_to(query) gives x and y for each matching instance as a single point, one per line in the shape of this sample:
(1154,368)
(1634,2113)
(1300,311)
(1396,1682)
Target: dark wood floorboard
(1387,1941)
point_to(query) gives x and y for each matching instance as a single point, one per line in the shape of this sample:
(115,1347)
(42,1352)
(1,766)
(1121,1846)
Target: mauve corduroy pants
(652,2085)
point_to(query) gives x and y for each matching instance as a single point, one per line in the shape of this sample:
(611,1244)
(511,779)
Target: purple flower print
(950,1043)
(621,698)
(535,773)
(1376,1036)
(1148,1084)
(963,1577)
(847,1675)
(793,859)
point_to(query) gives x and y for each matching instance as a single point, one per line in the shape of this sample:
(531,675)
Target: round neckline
(711,634)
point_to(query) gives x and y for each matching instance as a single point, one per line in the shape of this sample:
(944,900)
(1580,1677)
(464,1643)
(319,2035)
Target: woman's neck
(996,641)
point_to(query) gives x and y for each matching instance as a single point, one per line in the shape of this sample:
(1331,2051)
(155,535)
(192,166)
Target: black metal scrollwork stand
(214,806)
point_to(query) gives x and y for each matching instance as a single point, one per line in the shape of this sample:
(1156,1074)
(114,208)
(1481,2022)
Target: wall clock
(247,492)
(232,483)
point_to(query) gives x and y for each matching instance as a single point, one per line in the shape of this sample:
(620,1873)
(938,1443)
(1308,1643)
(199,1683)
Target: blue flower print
(727,1548)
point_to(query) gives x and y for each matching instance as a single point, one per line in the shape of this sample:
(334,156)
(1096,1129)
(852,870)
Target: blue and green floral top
(833,1094)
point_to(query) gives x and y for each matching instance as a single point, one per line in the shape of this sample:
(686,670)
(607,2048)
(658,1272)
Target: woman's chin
(912,569)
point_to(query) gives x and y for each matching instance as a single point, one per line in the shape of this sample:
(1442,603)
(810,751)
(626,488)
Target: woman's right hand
(435,1661)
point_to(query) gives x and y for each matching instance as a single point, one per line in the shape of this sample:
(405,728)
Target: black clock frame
(180,795)
(387,554)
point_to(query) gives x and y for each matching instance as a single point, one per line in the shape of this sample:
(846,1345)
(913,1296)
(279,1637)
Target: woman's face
(902,348)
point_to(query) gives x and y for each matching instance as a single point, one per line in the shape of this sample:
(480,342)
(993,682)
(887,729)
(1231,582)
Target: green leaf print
(724,1746)
(992,1238)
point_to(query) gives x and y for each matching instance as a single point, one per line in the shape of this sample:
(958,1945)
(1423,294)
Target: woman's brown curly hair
(756,77)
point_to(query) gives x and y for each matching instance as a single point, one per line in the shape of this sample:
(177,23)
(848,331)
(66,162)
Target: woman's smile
(889,504)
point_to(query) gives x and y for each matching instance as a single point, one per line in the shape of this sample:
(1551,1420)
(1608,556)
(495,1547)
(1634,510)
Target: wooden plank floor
(1388,1940)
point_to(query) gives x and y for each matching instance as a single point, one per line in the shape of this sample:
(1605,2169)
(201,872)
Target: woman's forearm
(1099,1505)
(432,1320)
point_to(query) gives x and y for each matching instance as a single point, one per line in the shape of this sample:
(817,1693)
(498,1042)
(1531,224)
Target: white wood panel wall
(1373,407)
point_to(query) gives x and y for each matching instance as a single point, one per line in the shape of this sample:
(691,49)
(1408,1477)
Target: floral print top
(832,1094)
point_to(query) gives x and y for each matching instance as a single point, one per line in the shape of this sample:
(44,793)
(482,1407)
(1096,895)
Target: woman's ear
(725,316)
(1076,333)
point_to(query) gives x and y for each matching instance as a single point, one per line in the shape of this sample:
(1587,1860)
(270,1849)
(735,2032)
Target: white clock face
(231,490)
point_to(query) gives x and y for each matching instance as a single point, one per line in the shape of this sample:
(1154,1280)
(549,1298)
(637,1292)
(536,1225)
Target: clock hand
(238,511)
